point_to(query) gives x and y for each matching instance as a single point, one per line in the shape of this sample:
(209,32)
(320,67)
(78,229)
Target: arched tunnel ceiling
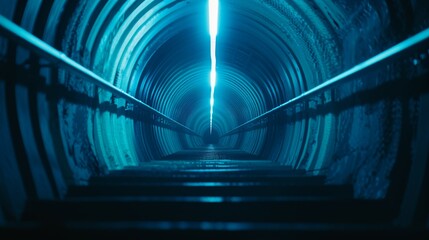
(269,51)
(159,51)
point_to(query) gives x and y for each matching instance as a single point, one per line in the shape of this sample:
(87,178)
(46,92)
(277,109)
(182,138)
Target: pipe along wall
(57,130)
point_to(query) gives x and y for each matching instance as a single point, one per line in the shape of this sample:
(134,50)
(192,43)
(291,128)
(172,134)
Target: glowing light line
(213,22)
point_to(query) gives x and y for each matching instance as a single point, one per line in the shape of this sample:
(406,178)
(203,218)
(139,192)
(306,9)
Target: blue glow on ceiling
(213,20)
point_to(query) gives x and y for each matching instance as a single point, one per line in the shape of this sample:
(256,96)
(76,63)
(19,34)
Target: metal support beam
(26,39)
(417,42)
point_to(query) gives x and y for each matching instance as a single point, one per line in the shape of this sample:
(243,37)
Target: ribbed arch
(268,51)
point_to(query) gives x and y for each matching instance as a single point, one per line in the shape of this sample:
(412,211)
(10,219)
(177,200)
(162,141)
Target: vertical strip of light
(213,20)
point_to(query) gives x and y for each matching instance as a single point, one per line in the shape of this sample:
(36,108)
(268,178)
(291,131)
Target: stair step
(211,154)
(220,167)
(164,165)
(254,162)
(212,209)
(227,172)
(199,199)
(204,230)
(180,179)
(340,191)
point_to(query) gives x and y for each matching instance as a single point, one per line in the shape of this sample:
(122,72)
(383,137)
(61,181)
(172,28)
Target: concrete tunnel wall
(158,51)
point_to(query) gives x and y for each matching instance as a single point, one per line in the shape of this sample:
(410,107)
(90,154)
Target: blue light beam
(213,21)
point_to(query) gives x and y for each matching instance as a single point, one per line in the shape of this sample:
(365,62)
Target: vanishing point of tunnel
(334,91)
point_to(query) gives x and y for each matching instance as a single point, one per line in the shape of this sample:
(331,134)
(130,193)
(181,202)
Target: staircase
(219,198)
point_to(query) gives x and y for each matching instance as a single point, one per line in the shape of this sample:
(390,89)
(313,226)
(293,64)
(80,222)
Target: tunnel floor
(187,195)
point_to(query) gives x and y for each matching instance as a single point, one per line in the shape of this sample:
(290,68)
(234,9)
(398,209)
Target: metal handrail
(397,51)
(28,40)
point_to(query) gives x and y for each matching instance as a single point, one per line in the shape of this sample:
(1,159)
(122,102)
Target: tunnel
(332,90)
